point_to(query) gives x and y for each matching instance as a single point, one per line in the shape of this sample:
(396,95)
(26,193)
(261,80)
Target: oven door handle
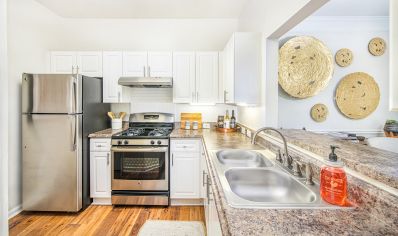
(134,149)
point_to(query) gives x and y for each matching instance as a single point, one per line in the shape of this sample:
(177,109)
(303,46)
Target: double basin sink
(251,179)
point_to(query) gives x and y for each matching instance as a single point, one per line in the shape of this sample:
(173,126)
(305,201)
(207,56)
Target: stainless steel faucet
(288,159)
(309,173)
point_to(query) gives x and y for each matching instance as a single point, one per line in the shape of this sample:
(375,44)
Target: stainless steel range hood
(147,82)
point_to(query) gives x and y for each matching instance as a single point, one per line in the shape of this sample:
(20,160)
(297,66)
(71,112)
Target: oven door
(140,168)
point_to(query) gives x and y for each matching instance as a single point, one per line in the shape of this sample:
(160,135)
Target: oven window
(139,165)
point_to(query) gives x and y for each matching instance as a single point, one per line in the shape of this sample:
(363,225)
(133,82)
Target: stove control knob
(152,142)
(119,142)
(159,142)
(126,142)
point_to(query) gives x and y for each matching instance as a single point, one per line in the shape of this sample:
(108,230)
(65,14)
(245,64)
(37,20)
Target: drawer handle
(99,145)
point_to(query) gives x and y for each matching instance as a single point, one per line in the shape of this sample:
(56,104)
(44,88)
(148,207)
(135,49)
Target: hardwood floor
(99,220)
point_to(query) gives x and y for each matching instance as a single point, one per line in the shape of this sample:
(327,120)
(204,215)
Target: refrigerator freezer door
(51,93)
(52,162)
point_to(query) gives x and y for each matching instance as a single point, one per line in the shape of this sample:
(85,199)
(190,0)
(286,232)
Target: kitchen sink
(242,158)
(268,185)
(254,179)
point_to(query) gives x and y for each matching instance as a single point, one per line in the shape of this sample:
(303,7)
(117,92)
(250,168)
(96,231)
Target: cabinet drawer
(100,145)
(181,145)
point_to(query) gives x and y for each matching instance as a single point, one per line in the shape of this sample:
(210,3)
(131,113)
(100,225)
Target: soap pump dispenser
(333,185)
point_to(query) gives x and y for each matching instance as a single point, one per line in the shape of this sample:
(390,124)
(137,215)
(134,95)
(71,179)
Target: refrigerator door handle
(74,96)
(74,130)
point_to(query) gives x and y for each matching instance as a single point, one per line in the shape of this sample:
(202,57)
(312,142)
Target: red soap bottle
(333,181)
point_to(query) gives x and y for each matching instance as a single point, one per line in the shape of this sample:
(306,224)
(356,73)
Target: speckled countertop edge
(237,221)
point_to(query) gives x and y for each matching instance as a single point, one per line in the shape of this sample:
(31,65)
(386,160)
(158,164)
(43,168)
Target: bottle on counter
(220,122)
(334,180)
(233,120)
(227,121)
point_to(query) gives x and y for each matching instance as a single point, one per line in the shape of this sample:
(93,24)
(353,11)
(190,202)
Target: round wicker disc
(344,57)
(357,95)
(305,66)
(319,112)
(377,46)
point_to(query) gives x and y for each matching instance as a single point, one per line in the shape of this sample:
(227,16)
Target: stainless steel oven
(140,168)
(140,161)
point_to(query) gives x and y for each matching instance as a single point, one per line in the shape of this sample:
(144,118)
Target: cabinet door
(214,227)
(207,77)
(63,62)
(229,71)
(135,64)
(112,71)
(100,174)
(90,63)
(160,64)
(183,77)
(184,175)
(203,175)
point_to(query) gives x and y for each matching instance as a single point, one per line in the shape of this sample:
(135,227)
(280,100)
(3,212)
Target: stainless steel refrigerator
(58,113)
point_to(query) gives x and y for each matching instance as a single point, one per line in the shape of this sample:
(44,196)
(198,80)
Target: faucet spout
(288,158)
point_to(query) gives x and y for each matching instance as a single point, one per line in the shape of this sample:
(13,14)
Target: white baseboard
(102,201)
(14,211)
(186,202)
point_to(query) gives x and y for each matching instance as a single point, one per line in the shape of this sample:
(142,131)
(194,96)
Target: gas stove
(140,160)
(146,129)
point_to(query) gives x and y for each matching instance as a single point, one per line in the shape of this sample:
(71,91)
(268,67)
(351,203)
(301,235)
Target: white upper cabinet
(229,71)
(183,77)
(206,77)
(87,63)
(242,68)
(160,64)
(112,71)
(63,62)
(135,64)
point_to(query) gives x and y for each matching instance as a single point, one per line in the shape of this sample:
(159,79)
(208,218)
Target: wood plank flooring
(99,220)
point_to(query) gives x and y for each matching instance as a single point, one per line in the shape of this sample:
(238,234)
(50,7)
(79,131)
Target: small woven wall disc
(377,46)
(344,57)
(357,95)
(319,112)
(305,66)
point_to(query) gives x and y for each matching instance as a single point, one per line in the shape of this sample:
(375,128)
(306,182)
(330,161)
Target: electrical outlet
(248,133)
(243,130)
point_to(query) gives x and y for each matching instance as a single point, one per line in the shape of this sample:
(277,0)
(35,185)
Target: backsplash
(161,100)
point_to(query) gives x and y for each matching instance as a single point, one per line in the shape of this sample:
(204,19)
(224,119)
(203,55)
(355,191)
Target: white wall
(33,30)
(271,18)
(344,32)
(393,52)
(29,36)
(3,120)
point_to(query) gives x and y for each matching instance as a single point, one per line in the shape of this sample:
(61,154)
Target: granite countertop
(107,133)
(376,213)
(375,163)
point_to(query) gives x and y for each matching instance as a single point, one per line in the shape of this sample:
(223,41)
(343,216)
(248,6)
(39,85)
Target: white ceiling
(146,8)
(354,8)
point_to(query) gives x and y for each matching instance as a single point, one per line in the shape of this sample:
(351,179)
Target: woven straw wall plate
(305,66)
(377,46)
(357,95)
(319,112)
(344,57)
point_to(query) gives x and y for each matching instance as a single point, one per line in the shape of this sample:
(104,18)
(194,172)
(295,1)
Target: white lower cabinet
(184,175)
(189,180)
(185,169)
(100,171)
